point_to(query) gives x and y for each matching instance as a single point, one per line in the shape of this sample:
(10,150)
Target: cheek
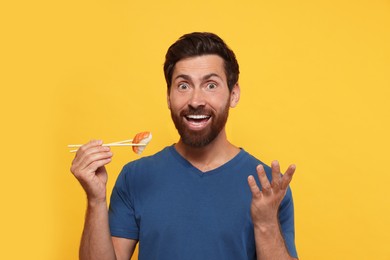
(177,101)
(219,103)
(175,105)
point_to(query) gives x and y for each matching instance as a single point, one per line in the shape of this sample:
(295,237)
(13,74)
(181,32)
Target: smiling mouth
(197,120)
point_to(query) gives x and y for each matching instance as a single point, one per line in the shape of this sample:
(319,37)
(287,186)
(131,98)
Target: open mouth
(197,121)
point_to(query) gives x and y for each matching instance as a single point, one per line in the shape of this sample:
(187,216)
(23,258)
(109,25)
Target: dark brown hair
(198,44)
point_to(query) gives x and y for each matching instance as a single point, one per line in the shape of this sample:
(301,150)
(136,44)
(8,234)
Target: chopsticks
(119,143)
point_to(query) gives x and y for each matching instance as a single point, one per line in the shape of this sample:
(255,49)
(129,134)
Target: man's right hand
(88,168)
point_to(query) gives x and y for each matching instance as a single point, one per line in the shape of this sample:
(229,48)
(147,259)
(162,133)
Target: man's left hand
(265,202)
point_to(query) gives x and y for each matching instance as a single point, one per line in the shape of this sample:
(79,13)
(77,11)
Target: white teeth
(197,116)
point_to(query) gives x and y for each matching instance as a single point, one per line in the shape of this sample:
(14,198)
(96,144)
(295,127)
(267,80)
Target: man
(199,198)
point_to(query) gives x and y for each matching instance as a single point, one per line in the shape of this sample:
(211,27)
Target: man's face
(199,99)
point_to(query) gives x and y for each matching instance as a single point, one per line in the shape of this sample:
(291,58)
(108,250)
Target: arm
(96,239)
(96,242)
(124,248)
(264,211)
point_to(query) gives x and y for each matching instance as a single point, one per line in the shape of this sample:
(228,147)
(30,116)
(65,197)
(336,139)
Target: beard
(205,136)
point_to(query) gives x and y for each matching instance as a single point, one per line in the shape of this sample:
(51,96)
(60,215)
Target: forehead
(198,66)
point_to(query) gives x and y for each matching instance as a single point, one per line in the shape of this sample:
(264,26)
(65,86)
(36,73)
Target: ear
(235,95)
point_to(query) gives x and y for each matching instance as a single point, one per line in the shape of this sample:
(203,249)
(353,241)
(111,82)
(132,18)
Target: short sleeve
(286,219)
(122,218)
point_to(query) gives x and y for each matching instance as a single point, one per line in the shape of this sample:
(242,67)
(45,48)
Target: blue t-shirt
(179,212)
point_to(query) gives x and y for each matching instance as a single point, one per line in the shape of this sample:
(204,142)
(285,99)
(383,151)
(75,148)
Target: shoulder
(149,161)
(147,166)
(249,160)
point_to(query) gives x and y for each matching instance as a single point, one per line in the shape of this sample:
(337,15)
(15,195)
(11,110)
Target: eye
(183,86)
(211,85)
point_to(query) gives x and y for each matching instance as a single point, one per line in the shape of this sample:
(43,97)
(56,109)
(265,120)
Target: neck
(211,156)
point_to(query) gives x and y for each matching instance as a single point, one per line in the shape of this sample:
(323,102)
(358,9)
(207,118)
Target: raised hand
(88,168)
(265,202)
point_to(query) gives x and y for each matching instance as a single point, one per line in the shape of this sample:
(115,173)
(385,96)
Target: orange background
(315,92)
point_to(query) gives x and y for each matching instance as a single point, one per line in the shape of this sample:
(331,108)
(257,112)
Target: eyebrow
(206,77)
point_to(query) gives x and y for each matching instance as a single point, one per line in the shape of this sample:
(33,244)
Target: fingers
(265,184)
(95,154)
(287,177)
(266,202)
(94,166)
(86,149)
(276,175)
(279,181)
(90,157)
(253,186)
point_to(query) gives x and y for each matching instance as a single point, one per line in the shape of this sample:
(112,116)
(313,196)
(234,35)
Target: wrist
(97,202)
(266,228)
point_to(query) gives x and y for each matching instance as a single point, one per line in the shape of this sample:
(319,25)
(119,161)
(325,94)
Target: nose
(197,98)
